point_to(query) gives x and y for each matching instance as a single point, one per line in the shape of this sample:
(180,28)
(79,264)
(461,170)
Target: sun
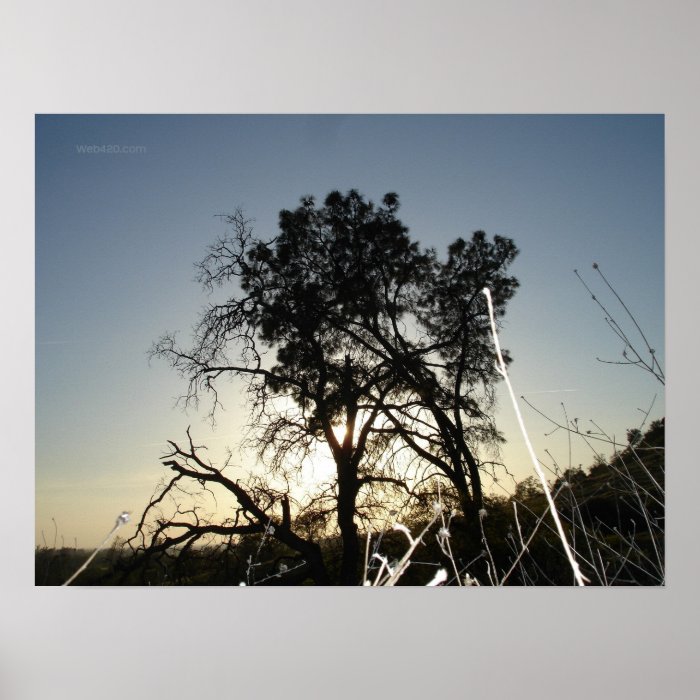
(340,431)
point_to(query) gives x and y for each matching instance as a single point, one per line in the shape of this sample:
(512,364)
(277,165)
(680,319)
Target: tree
(370,332)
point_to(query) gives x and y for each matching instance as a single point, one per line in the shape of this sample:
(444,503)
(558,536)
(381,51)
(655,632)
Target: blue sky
(117,236)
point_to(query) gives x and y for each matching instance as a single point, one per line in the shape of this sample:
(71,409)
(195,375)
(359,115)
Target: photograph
(375,350)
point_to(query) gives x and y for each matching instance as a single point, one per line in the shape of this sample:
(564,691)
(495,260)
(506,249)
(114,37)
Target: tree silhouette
(373,337)
(255,514)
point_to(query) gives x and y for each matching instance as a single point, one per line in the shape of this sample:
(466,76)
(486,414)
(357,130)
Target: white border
(274,56)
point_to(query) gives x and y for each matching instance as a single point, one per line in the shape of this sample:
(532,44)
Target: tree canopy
(369,331)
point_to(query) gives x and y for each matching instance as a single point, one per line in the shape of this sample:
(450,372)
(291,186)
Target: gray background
(504,57)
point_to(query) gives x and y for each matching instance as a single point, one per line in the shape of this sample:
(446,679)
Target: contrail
(164,443)
(64,342)
(549,391)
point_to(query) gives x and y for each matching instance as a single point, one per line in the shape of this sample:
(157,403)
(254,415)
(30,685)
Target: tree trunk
(347,493)
(475,478)
(348,485)
(317,568)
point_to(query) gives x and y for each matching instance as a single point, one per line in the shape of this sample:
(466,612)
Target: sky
(118,233)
